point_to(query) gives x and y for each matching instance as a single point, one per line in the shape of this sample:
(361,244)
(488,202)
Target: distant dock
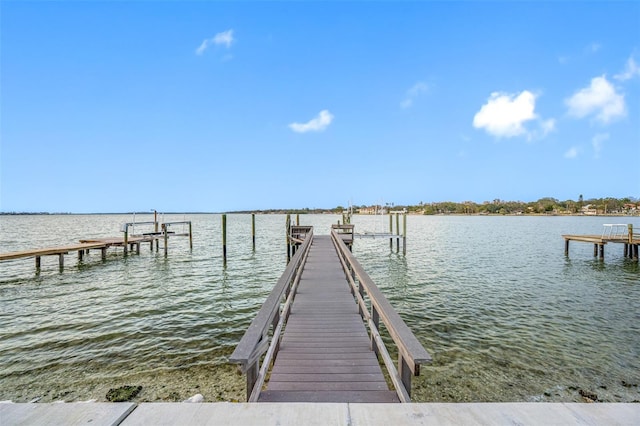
(612,233)
(160,231)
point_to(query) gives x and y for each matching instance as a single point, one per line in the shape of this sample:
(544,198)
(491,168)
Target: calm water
(506,316)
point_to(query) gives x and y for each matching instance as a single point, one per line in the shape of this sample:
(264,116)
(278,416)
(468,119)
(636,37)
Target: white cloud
(599,99)
(504,114)
(547,126)
(317,124)
(594,47)
(224,38)
(571,153)
(630,70)
(413,93)
(597,142)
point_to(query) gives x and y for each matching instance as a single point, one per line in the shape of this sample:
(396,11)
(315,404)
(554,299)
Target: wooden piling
(224,239)
(61,260)
(166,239)
(37,262)
(398,232)
(601,251)
(288,230)
(390,231)
(566,247)
(126,238)
(190,236)
(155,221)
(595,250)
(253,230)
(404,234)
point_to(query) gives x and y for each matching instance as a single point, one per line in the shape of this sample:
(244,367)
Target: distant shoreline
(262,212)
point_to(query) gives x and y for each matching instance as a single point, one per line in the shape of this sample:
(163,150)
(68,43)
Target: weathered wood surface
(325,354)
(599,239)
(51,250)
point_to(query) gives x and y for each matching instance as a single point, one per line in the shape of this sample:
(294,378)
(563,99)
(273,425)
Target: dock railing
(616,230)
(411,353)
(263,335)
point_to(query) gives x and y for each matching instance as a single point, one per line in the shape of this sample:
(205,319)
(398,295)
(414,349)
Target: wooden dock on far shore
(127,242)
(612,233)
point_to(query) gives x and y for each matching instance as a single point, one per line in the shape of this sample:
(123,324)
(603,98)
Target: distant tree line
(546,205)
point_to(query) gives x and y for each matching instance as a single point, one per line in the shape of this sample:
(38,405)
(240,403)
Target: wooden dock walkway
(325,354)
(320,328)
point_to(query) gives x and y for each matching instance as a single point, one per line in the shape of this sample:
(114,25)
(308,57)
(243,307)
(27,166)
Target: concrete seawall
(129,414)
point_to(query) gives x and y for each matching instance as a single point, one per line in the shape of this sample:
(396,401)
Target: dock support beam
(601,251)
(37,262)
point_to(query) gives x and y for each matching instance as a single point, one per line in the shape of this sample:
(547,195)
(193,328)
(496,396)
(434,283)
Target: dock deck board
(325,353)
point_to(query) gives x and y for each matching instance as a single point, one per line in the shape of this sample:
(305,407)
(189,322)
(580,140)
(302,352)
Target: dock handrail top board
(255,342)
(413,351)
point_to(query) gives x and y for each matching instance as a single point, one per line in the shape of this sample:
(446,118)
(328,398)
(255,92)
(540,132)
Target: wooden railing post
(405,373)
(375,317)
(252,377)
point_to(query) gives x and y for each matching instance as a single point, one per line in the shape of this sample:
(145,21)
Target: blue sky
(219,106)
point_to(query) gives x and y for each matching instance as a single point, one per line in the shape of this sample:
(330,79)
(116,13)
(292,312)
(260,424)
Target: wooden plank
(328,386)
(329,396)
(49,251)
(327,369)
(329,377)
(324,362)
